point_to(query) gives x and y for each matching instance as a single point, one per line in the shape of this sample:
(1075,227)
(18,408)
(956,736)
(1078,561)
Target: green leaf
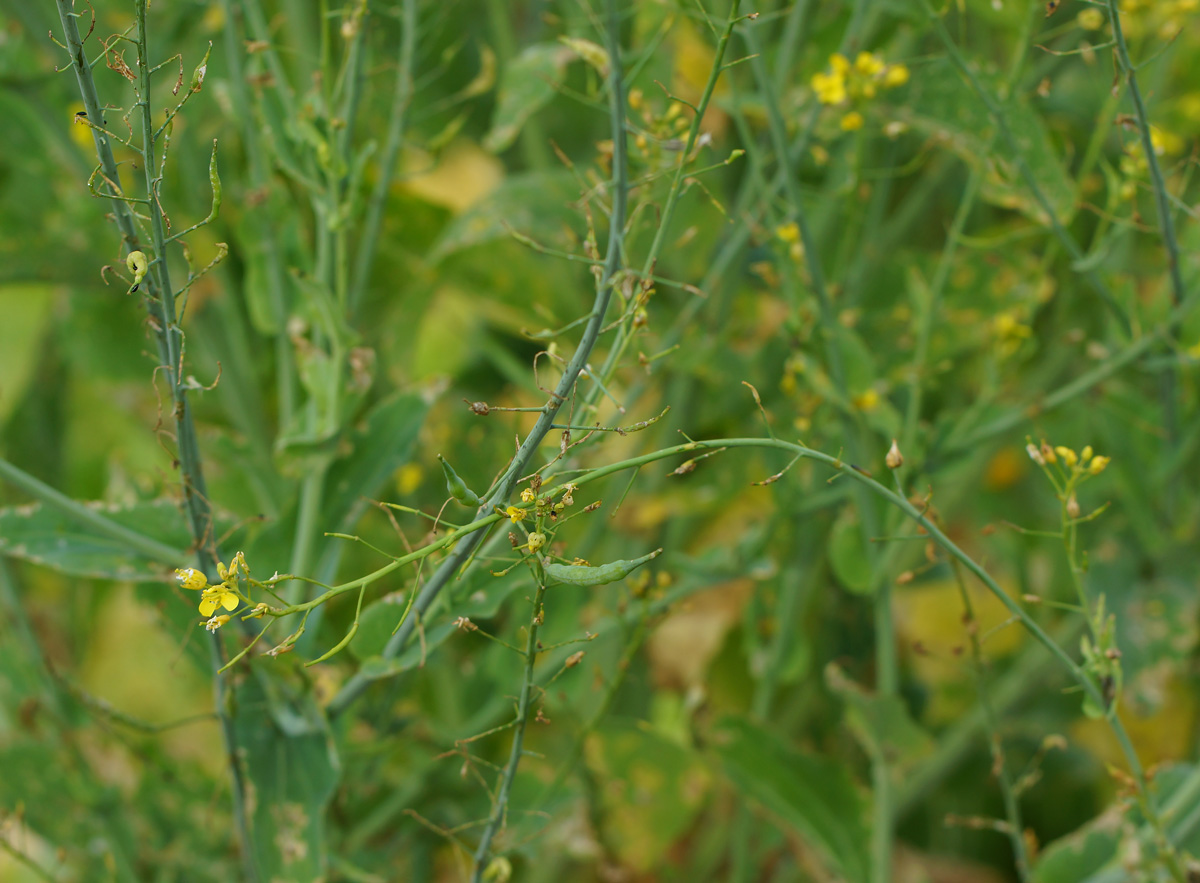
(653,790)
(535,203)
(376,667)
(381,445)
(448,335)
(26,309)
(947,108)
(528,83)
(376,624)
(881,724)
(47,536)
(847,553)
(292,778)
(814,796)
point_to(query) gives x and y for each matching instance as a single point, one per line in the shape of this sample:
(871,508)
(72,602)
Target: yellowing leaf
(461,176)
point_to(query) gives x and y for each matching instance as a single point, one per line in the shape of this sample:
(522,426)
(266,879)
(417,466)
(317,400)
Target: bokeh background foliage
(794,681)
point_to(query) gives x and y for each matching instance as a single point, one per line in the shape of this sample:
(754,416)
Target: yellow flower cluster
(789,235)
(224,594)
(1086,461)
(847,82)
(1134,164)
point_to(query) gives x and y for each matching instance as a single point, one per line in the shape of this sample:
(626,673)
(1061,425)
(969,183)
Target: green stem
(1012,810)
(562,392)
(500,805)
(369,236)
(161,305)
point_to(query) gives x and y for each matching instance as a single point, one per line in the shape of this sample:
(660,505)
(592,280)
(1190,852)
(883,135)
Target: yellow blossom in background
(830,89)
(855,83)
(866,401)
(1090,19)
(869,65)
(895,76)
(408,478)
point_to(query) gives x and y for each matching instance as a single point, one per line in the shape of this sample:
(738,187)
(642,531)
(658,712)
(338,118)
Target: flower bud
(894,458)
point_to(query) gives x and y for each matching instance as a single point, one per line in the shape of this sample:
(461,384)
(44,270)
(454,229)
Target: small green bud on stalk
(457,487)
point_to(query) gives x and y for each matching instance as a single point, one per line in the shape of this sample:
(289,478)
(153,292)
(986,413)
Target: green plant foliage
(333,335)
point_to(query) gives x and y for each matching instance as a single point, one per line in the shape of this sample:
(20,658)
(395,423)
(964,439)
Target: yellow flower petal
(229,600)
(190,578)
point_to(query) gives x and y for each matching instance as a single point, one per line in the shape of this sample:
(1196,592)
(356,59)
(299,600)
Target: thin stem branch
(500,805)
(520,462)
(368,241)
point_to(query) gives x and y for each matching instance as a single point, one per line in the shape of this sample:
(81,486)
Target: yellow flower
(1069,457)
(789,232)
(1098,465)
(527,495)
(1090,19)
(830,88)
(897,75)
(217,596)
(866,401)
(514,514)
(216,622)
(840,64)
(868,64)
(191,578)
(852,121)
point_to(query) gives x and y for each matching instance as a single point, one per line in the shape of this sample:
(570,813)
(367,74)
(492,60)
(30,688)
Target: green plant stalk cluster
(160,302)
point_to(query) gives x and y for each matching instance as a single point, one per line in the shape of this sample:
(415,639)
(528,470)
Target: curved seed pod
(457,487)
(583,575)
(138,264)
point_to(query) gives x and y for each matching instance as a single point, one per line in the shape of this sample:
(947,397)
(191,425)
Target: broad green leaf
(814,796)
(537,204)
(25,308)
(379,620)
(652,790)
(948,109)
(448,335)
(381,445)
(44,535)
(291,779)
(1098,851)
(847,553)
(881,724)
(376,624)
(376,667)
(526,85)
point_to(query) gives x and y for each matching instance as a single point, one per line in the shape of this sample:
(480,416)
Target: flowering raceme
(847,83)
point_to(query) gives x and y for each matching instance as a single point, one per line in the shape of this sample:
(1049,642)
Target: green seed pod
(138,264)
(457,487)
(583,575)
